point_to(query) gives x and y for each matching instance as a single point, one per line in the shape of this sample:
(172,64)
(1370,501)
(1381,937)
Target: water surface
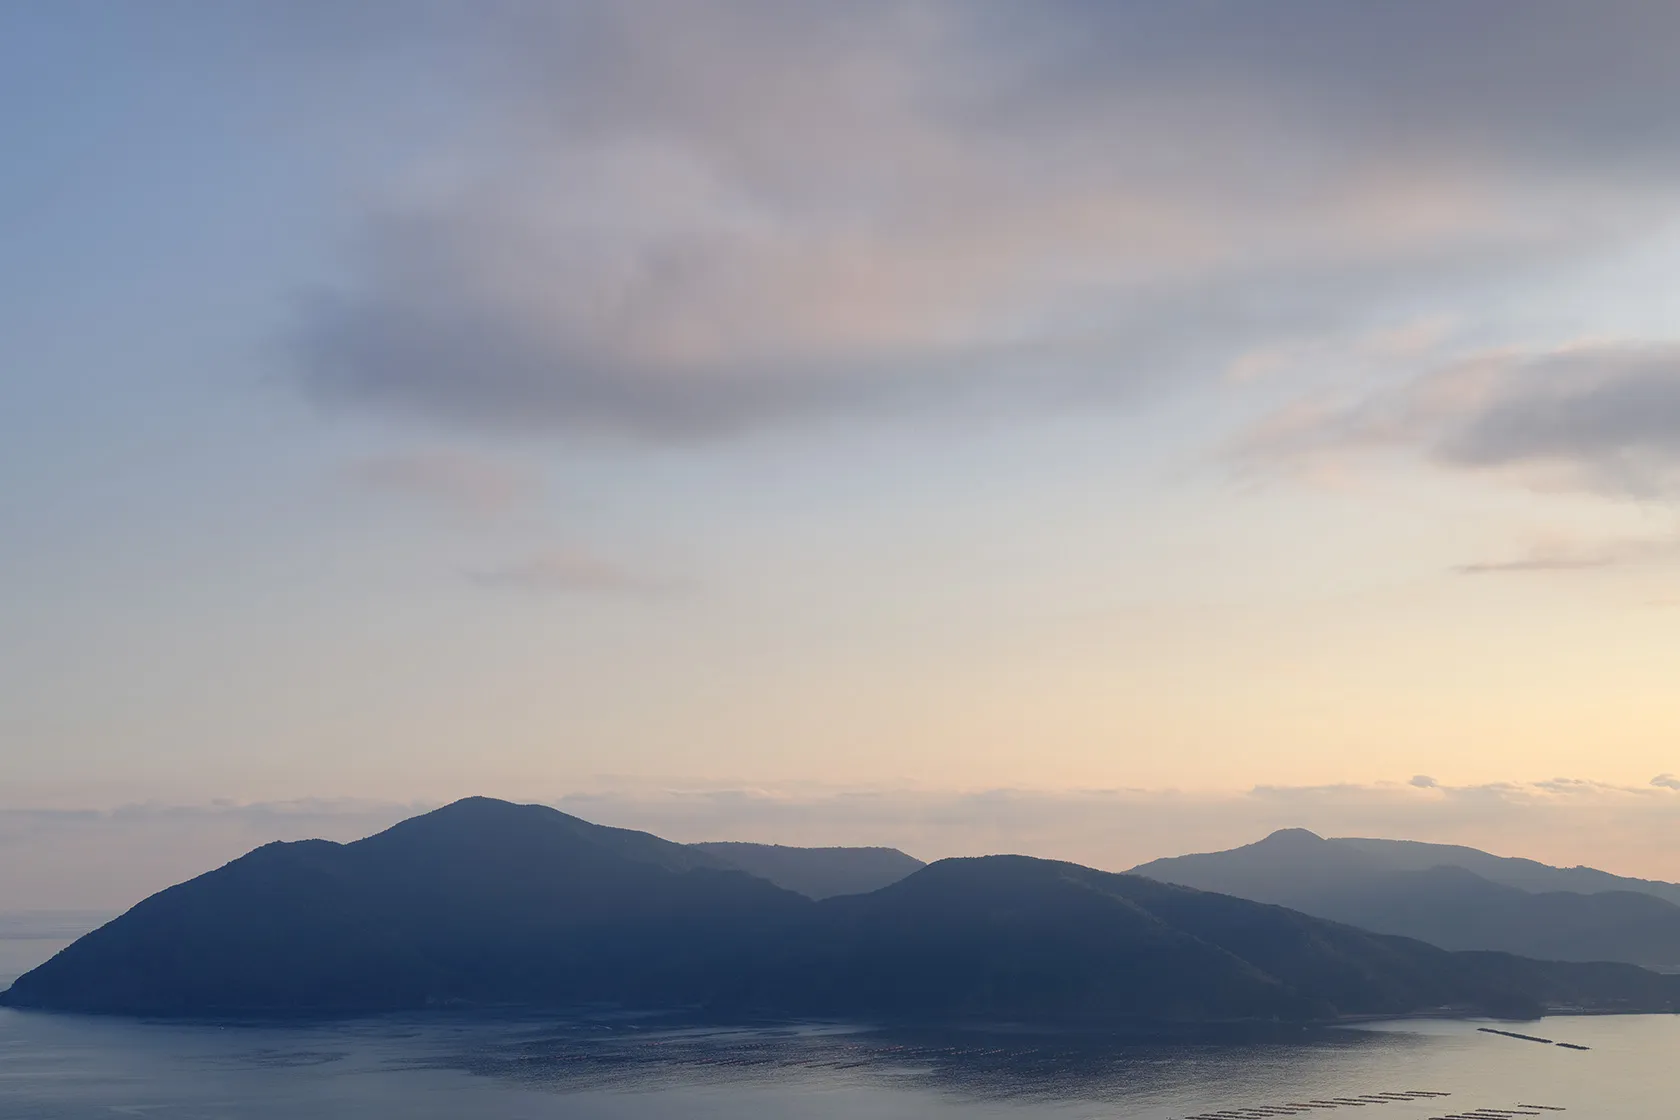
(616,1067)
(59,1067)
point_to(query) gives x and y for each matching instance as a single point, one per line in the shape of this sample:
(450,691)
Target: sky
(1211,417)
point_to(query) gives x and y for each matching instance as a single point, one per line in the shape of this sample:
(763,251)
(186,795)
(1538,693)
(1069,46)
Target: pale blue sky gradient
(406,401)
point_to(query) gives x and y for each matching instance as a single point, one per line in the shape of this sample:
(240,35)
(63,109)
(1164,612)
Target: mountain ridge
(816,873)
(485,903)
(1393,887)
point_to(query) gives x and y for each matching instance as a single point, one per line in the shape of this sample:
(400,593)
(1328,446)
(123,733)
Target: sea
(599,1065)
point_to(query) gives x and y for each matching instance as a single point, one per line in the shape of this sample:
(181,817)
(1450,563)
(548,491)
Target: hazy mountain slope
(1455,909)
(816,872)
(1290,863)
(1375,886)
(1013,937)
(1524,874)
(1292,856)
(487,903)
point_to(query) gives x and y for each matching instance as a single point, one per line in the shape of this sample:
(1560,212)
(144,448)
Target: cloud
(1423,781)
(1611,414)
(690,222)
(1603,417)
(568,572)
(1666,781)
(448,480)
(1534,564)
(1582,558)
(1538,563)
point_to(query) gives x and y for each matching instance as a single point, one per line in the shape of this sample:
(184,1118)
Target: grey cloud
(1608,554)
(1620,423)
(472,364)
(1423,781)
(569,572)
(1666,781)
(1560,564)
(1603,416)
(453,481)
(692,221)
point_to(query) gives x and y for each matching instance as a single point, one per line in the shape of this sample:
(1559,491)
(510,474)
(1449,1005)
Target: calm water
(55,1067)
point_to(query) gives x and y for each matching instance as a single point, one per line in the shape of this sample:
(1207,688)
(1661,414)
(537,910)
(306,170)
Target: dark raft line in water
(1317,1104)
(1295,1108)
(1514,1034)
(1535,1038)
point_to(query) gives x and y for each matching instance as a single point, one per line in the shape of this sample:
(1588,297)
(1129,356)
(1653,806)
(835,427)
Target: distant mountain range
(486,903)
(1454,897)
(816,873)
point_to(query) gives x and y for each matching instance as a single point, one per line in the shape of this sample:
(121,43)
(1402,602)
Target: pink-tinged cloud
(1603,417)
(678,221)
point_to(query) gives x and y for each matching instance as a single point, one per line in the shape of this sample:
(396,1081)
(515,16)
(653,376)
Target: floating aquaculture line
(1534,1038)
(1317,1104)
(1514,1034)
(1501,1113)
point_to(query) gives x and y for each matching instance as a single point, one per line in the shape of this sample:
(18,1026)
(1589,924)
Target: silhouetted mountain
(484,902)
(816,872)
(1379,885)
(480,901)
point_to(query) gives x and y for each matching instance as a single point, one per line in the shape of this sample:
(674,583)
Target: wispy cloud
(1534,564)
(1618,554)
(452,481)
(570,572)
(1603,417)
(1610,415)
(1555,556)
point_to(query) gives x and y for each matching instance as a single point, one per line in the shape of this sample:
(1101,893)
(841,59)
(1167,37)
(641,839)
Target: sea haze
(31,937)
(61,1067)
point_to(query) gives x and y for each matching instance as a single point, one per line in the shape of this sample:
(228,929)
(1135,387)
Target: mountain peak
(1293,836)
(1454,897)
